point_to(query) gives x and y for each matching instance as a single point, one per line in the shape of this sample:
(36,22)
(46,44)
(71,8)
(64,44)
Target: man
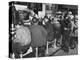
(40,21)
(22,40)
(38,36)
(66,30)
(74,33)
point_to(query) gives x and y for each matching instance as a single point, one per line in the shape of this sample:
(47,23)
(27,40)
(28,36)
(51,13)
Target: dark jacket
(38,35)
(49,28)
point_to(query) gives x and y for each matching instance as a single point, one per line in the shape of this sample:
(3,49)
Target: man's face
(21,16)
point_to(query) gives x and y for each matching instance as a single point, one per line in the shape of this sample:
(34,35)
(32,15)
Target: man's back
(38,35)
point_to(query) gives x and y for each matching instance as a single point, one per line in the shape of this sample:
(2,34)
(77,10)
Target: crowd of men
(60,30)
